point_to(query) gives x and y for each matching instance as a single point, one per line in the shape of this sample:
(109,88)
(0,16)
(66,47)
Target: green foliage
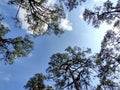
(108,13)
(37,83)
(108,59)
(73,69)
(70,70)
(72,4)
(42,19)
(12,48)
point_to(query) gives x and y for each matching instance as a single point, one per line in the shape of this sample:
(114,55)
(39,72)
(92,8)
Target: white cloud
(66,25)
(81,12)
(21,15)
(81,16)
(97,0)
(51,2)
(108,27)
(6,78)
(30,55)
(24,23)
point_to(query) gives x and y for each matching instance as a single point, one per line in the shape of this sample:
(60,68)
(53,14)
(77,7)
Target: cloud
(30,55)
(6,78)
(23,12)
(21,15)
(97,0)
(81,16)
(51,2)
(25,25)
(81,12)
(108,27)
(65,24)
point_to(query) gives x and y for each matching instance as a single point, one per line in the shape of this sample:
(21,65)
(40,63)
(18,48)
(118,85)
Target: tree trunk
(74,80)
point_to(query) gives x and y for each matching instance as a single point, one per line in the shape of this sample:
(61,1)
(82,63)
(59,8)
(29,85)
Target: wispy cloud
(7,78)
(51,2)
(97,0)
(81,16)
(21,15)
(30,55)
(81,12)
(65,24)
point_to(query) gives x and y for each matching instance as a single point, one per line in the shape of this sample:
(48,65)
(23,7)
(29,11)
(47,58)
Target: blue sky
(78,33)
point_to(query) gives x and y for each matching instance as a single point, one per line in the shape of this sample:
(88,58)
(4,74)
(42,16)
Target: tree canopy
(108,59)
(72,4)
(13,48)
(75,68)
(42,18)
(107,12)
(78,69)
(37,83)
(70,70)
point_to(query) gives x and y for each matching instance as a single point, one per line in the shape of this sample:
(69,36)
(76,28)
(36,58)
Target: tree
(75,68)
(13,48)
(71,70)
(72,4)
(40,15)
(37,83)
(108,60)
(108,13)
